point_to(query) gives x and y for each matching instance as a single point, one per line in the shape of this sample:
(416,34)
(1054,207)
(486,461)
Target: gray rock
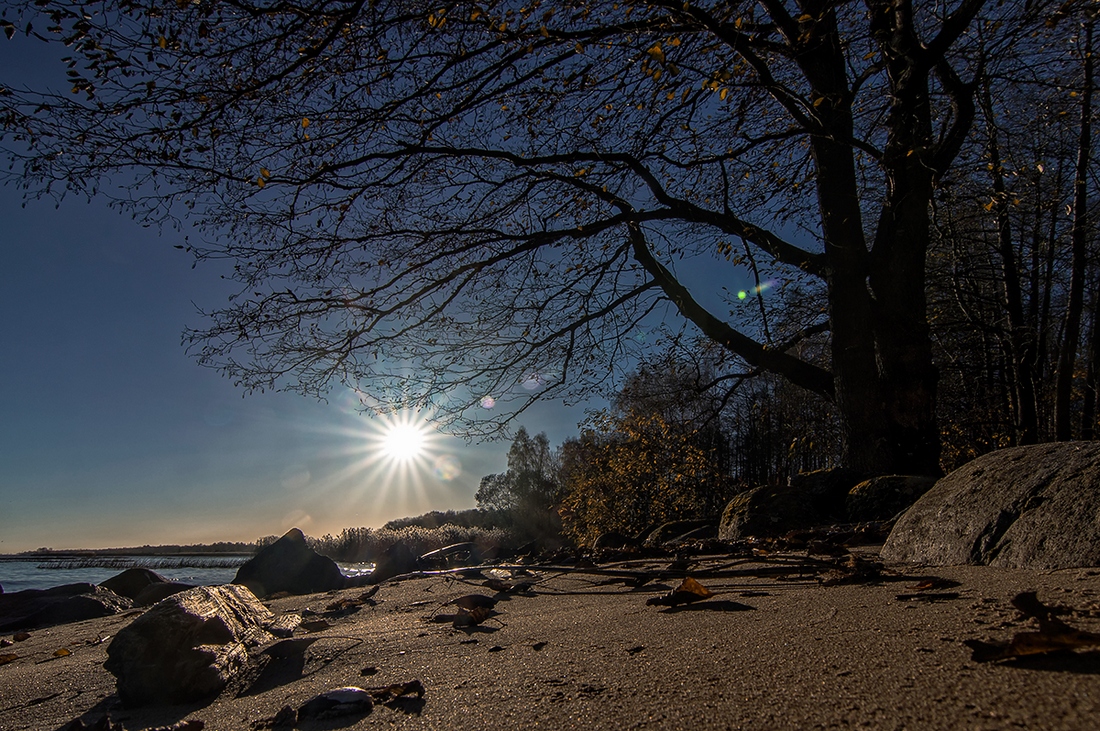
(289,565)
(335,703)
(882,498)
(60,605)
(188,646)
(1035,507)
(810,499)
(131,582)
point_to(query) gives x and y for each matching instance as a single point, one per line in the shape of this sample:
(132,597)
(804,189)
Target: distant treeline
(195,549)
(119,563)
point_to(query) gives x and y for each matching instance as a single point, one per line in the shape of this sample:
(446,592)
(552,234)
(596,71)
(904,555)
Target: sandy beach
(585,651)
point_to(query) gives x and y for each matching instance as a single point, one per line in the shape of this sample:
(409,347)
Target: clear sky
(111,435)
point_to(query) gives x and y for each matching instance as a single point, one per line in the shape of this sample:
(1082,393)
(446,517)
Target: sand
(763,653)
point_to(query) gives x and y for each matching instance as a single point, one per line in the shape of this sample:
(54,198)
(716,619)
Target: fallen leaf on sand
(688,591)
(1054,635)
(10,657)
(853,570)
(498,585)
(471,617)
(316,625)
(21,636)
(348,603)
(387,693)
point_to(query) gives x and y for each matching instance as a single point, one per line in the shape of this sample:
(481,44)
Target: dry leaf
(498,585)
(687,592)
(316,625)
(63,652)
(21,636)
(1054,635)
(471,617)
(932,583)
(10,657)
(388,693)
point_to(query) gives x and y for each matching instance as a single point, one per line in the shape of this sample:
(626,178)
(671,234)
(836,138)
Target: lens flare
(447,467)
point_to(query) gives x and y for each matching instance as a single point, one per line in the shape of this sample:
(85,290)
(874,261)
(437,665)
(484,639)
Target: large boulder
(289,565)
(131,582)
(809,499)
(188,646)
(1035,507)
(882,498)
(60,605)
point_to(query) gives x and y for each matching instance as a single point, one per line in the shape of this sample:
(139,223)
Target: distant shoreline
(69,555)
(228,550)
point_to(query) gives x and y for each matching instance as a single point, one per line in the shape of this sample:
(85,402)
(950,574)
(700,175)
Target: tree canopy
(473,204)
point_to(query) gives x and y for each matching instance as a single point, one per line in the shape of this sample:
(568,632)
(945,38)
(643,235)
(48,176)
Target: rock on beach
(289,565)
(60,605)
(188,646)
(1034,507)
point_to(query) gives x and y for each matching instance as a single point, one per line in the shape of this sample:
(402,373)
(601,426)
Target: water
(19,574)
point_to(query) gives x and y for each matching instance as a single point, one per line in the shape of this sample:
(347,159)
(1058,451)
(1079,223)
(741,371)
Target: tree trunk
(1067,359)
(1092,376)
(1021,342)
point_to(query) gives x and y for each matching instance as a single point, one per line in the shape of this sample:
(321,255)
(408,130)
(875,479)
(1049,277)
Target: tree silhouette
(437,201)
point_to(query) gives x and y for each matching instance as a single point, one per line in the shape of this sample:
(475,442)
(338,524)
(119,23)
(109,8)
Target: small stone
(338,702)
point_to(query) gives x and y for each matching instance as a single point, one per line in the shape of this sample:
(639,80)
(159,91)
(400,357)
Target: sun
(404,442)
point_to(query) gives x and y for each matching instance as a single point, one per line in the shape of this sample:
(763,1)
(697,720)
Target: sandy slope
(761,654)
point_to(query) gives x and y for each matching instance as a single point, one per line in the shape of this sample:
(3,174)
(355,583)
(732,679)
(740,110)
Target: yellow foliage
(632,471)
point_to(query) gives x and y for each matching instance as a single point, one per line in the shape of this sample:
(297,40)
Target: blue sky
(110,434)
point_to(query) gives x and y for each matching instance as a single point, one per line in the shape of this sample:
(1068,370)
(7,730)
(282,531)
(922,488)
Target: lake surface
(17,574)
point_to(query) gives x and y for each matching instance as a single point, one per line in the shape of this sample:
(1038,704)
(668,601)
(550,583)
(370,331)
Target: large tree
(435,201)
